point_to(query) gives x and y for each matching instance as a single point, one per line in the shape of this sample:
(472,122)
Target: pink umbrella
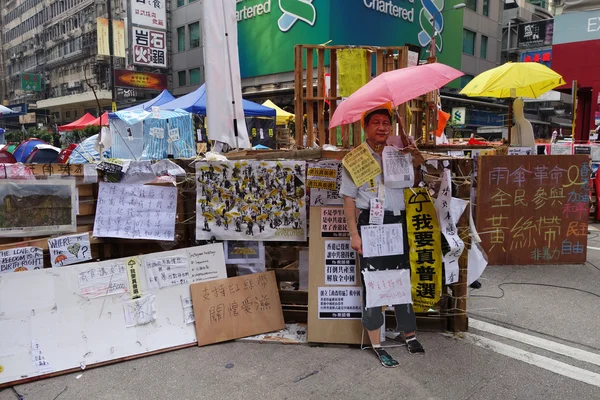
(397,87)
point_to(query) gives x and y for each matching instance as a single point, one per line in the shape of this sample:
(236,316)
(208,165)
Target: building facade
(187,46)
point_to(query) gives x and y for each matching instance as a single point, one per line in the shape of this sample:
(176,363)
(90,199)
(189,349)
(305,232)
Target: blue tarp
(25,148)
(162,98)
(195,103)
(85,153)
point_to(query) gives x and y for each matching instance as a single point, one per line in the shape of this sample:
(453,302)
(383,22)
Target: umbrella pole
(510,117)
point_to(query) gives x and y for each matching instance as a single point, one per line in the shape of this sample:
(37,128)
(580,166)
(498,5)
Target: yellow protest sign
(135,288)
(361,165)
(425,249)
(353,70)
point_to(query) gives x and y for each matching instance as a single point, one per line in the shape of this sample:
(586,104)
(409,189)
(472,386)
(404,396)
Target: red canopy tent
(101,121)
(80,124)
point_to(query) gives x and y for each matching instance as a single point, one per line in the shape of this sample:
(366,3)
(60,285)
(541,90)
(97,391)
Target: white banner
(223,74)
(388,287)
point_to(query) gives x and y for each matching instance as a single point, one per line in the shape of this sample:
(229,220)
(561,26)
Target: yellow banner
(119,38)
(361,165)
(103,44)
(353,71)
(425,245)
(135,288)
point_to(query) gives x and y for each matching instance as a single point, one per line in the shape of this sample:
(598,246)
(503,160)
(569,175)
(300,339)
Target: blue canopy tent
(195,103)
(25,148)
(162,98)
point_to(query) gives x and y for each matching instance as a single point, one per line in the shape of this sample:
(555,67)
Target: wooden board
(346,331)
(533,209)
(233,308)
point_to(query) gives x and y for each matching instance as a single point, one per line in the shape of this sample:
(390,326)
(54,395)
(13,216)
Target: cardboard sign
(534,209)
(233,308)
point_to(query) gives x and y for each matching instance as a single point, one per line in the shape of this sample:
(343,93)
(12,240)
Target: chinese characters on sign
(135,211)
(227,309)
(426,249)
(333,222)
(387,287)
(103,278)
(149,48)
(534,210)
(321,177)
(325,197)
(361,165)
(135,288)
(340,302)
(167,268)
(150,13)
(340,263)
(382,240)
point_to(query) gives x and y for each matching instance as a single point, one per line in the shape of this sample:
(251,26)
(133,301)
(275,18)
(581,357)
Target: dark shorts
(372,318)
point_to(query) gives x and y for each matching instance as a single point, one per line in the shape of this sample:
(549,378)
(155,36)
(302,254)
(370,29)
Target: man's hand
(417,157)
(356,243)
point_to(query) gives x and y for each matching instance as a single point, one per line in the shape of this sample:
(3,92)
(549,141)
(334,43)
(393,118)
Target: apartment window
(468,42)
(472,4)
(191,1)
(483,49)
(181,38)
(465,79)
(486,8)
(182,78)
(194,35)
(195,76)
(180,3)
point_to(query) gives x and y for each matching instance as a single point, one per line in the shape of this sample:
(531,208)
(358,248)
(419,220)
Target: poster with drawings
(251,200)
(324,197)
(67,250)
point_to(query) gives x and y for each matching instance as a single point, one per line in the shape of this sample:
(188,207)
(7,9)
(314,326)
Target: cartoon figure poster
(251,200)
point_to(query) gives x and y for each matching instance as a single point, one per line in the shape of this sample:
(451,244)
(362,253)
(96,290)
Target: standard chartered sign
(292,11)
(388,7)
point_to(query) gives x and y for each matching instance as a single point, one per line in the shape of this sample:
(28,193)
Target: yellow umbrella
(511,80)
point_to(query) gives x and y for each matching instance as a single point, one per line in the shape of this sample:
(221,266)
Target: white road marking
(558,367)
(593,228)
(536,341)
(593,248)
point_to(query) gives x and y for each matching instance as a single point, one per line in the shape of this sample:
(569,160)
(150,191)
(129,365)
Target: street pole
(111,58)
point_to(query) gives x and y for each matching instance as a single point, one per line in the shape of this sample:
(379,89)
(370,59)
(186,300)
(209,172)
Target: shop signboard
(484,118)
(577,27)
(149,48)
(140,80)
(458,116)
(149,13)
(535,34)
(31,82)
(268,30)
(541,57)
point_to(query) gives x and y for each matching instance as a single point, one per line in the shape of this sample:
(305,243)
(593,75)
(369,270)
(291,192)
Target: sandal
(385,359)
(414,346)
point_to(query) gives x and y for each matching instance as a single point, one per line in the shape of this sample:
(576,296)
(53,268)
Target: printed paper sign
(67,250)
(519,151)
(133,275)
(318,177)
(340,302)
(136,211)
(21,259)
(325,197)
(90,173)
(387,288)
(398,169)
(361,165)
(244,252)
(340,263)
(173,134)
(333,222)
(158,133)
(382,240)
(207,263)
(104,278)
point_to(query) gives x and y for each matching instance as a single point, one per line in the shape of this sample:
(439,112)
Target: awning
(282,116)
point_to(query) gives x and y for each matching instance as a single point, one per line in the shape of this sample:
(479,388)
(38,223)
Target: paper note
(361,165)
(167,268)
(560,149)
(398,171)
(519,151)
(139,172)
(21,259)
(376,211)
(340,302)
(67,250)
(325,197)
(90,173)
(173,134)
(340,263)
(333,222)
(103,278)
(136,212)
(155,112)
(388,287)
(244,252)
(40,363)
(476,263)
(382,240)
(140,311)
(188,310)
(207,263)
(158,133)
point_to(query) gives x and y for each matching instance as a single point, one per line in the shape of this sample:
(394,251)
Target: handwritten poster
(333,222)
(325,197)
(227,309)
(448,227)
(425,249)
(244,252)
(188,310)
(397,168)
(140,311)
(251,200)
(105,278)
(534,209)
(382,240)
(136,211)
(207,262)
(340,263)
(361,165)
(561,149)
(167,268)
(387,287)
(21,259)
(67,250)
(340,302)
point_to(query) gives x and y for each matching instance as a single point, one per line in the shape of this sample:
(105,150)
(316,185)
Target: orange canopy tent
(79,124)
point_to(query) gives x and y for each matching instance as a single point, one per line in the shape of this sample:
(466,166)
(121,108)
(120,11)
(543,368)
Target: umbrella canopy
(25,148)
(519,79)
(79,124)
(43,154)
(195,102)
(86,153)
(396,87)
(282,116)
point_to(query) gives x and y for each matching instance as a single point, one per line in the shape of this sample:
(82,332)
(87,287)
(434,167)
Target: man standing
(357,201)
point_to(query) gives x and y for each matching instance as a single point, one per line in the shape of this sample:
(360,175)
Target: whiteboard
(73,331)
